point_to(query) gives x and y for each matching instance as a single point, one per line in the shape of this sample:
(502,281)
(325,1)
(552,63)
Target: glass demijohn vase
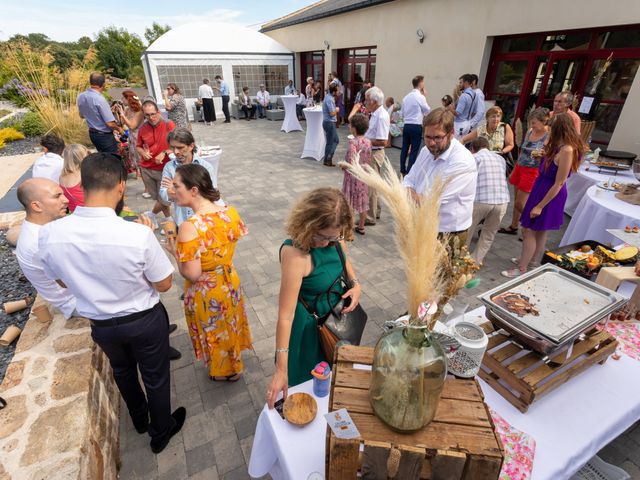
(408,374)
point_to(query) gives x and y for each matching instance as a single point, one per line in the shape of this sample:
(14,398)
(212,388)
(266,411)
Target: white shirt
(457,167)
(27,255)
(290,90)
(263,98)
(205,91)
(48,166)
(414,107)
(302,100)
(379,124)
(106,262)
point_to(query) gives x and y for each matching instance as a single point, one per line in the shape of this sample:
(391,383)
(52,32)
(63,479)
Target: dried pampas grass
(416,233)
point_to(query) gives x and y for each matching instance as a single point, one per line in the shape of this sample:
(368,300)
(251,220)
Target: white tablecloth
(213,157)
(579,183)
(598,210)
(314,140)
(570,425)
(290,122)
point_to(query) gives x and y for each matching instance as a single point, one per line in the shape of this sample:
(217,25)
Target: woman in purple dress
(544,209)
(355,191)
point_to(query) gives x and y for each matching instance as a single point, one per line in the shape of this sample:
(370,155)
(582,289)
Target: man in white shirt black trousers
(115,270)
(414,108)
(378,134)
(445,157)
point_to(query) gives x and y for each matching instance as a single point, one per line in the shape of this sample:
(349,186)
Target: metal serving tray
(568,306)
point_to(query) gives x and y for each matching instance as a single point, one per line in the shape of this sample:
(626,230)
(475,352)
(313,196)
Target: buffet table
(583,179)
(597,211)
(314,141)
(290,122)
(569,425)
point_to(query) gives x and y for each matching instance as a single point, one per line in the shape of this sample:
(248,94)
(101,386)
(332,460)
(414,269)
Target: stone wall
(62,417)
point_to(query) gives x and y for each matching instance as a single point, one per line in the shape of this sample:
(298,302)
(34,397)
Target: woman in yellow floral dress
(213,304)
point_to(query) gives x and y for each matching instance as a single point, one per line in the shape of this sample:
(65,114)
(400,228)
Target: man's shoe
(227,121)
(142,427)
(178,420)
(172,328)
(174,354)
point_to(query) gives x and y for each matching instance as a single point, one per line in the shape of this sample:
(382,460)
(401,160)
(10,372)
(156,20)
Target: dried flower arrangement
(436,268)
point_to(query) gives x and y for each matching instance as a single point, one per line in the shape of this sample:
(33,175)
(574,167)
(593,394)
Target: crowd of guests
(81,256)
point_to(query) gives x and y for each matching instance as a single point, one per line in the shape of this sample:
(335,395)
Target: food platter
(562,306)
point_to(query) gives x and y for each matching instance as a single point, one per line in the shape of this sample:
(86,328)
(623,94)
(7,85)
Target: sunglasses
(324,238)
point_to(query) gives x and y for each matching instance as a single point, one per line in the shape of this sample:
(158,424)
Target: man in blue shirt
(224,93)
(329,119)
(478,106)
(464,107)
(93,107)
(183,145)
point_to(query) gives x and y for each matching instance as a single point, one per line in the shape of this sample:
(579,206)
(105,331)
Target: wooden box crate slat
(459,444)
(521,376)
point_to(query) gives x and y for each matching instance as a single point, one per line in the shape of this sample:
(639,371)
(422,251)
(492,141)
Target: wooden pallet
(459,444)
(521,376)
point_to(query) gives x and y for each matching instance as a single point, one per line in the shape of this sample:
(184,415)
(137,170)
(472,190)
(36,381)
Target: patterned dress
(355,191)
(213,305)
(178,112)
(134,156)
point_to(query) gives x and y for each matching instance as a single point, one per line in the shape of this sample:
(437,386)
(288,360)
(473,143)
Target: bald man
(44,202)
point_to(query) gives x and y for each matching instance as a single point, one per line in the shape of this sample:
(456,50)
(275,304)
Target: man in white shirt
(414,108)
(478,108)
(378,134)
(445,157)
(300,105)
(50,164)
(44,202)
(492,196)
(205,95)
(115,270)
(290,89)
(263,100)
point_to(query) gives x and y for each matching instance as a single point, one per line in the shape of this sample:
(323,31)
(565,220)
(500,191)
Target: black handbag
(336,326)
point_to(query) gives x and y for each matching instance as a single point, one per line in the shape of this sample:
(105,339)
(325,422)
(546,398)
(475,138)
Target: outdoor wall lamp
(326,44)
(420,35)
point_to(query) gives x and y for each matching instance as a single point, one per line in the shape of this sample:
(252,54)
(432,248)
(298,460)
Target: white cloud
(58,24)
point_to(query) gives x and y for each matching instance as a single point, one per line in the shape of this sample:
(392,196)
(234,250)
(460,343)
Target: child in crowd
(355,191)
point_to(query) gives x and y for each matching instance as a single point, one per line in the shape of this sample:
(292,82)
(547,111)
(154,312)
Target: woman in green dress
(310,264)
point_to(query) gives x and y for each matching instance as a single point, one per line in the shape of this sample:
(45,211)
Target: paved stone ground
(261,174)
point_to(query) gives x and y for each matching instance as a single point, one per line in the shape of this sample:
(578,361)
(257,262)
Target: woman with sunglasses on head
(311,267)
(176,106)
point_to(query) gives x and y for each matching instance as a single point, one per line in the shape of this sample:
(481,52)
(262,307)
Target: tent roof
(213,37)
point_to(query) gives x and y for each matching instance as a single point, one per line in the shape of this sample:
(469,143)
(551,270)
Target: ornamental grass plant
(51,93)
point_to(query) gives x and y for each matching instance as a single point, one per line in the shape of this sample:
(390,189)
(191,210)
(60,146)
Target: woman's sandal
(229,378)
(509,230)
(359,230)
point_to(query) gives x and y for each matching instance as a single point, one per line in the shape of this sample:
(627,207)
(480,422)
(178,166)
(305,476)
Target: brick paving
(261,174)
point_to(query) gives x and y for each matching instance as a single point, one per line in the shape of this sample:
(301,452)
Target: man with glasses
(562,103)
(153,148)
(263,99)
(445,157)
(95,110)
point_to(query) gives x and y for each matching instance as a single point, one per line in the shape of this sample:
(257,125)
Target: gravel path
(20,147)
(13,286)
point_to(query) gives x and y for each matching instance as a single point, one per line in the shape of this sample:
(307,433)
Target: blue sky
(67,20)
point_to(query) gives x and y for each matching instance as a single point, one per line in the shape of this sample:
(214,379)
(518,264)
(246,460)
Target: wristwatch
(354,282)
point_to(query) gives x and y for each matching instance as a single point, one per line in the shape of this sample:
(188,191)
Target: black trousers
(248,112)
(209,111)
(104,141)
(142,344)
(225,107)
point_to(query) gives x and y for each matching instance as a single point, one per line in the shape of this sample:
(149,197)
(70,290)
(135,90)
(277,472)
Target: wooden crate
(459,444)
(521,376)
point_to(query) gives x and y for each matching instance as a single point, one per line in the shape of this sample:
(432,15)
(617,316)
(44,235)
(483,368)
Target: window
(574,41)
(520,44)
(274,77)
(619,39)
(187,77)
(510,76)
(615,83)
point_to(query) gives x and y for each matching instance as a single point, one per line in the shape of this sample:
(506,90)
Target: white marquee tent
(189,53)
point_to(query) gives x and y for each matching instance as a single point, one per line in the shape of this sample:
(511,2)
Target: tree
(155,31)
(118,50)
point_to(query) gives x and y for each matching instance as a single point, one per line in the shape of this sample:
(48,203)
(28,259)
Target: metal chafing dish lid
(567,304)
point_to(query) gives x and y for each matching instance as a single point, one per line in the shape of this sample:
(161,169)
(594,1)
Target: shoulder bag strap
(304,303)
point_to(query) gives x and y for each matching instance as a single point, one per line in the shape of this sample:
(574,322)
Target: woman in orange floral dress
(213,304)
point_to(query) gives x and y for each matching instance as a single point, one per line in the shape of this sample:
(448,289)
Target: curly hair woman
(310,264)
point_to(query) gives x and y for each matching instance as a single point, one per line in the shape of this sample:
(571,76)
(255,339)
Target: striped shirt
(491,187)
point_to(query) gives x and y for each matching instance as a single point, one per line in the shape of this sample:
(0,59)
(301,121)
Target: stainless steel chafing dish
(568,306)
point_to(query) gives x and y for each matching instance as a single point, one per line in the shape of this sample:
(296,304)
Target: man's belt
(115,321)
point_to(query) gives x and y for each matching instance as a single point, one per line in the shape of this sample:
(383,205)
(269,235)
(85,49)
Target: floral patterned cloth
(213,305)
(628,336)
(355,191)
(519,450)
